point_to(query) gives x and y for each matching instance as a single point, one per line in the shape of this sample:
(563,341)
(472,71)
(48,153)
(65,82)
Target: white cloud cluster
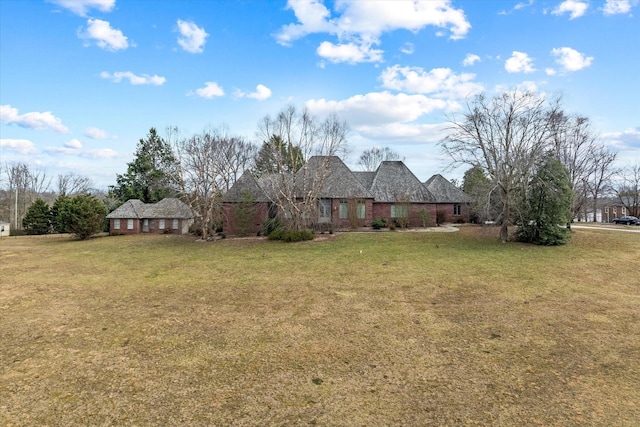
(22,146)
(261,93)
(470,59)
(95,133)
(104,36)
(74,147)
(209,91)
(519,62)
(33,120)
(614,7)
(439,82)
(359,24)
(192,38)
(575,8)
(570,59)
(81,7)
(626,140)
(134,79)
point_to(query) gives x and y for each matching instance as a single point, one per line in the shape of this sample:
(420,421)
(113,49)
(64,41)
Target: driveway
(631,229)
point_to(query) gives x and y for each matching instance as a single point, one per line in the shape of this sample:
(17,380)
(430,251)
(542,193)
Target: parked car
(628,220)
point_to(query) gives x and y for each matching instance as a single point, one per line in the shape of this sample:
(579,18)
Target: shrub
(272,224)
(441,217)
(425,217)
(378,223)
(291,235)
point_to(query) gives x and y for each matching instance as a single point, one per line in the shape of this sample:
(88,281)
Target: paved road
(636,229)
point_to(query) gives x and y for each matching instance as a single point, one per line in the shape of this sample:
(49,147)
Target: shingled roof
(165,208)
(247,183)
(339,181)
(394,182)
(444,191)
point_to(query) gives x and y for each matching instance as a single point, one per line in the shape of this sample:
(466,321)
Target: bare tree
(208,165)
(25,184)
(72,184)
(628,191)
(297,193)
(574,145)
(505,135)
(601,173)
(370,159)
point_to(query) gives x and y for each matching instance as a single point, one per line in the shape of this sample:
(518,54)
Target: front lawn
(354,329)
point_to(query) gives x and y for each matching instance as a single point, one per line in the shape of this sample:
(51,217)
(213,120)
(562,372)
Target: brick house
(348,199)
(168,216)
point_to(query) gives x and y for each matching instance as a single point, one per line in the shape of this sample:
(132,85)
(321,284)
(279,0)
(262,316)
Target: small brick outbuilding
(168,216)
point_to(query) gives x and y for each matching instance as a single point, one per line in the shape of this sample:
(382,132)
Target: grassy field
(362,329)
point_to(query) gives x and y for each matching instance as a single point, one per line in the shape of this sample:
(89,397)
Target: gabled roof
(394,182)
(444,191)
(165,208)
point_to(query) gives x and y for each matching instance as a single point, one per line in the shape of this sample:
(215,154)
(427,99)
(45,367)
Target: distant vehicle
(628,220)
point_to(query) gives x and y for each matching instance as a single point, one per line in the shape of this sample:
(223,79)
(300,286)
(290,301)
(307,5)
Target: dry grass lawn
(361,329)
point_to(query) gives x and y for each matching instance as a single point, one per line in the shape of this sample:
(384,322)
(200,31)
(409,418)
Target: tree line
(532,164)
(527,159)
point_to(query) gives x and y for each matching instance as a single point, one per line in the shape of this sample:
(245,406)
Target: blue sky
(81,81)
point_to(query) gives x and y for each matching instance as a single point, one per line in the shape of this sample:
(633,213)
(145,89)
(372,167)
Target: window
(606,209)
(174,224)
(398,211)
(344,209)
(161,224)
(624,211)
(362,210)
(457,209)
(116,224)
(129,224)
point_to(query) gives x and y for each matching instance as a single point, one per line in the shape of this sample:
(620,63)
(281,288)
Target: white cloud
(95,133)
(192,38)
(550,71)
(614,7)
(81,7)
(626,140)
(22,146)
(74,147)
(209,91)
(407,132)
(358,25)
(571,59)
(440,82)
(407,49)
(574,7)
(378,108)
(262,92)
(34,120)
(104,36)
(519,62)
(349,52)
(470,59)
(134,79)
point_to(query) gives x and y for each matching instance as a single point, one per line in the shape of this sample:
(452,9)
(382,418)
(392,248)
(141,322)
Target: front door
(145,225)
(324,211)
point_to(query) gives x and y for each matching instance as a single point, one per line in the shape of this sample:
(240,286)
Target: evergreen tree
(546,205)
(151,176)
(37,220)
(276,156)
(60,214)
(86,215)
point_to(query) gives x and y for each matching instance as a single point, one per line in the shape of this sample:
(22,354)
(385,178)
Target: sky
(82,81)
